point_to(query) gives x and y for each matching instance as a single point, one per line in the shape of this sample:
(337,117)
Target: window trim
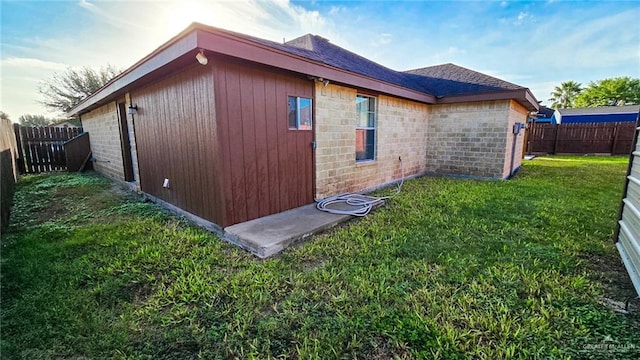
(374,127)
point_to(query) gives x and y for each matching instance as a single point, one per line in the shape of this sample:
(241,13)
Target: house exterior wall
(176,139)
(468,138)
(266,167)
(220,134)
(517,114)
(401,132)
(102,125)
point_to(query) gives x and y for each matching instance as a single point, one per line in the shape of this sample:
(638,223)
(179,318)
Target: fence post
(20,159)
(616,131)
(555,137)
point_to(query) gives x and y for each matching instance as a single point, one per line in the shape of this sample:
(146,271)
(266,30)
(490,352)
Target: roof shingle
(450,79)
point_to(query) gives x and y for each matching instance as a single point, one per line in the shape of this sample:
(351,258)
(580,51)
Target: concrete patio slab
(271,234)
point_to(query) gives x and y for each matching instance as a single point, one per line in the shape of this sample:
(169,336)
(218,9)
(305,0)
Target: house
(543,115)
(229,127)
(600,114)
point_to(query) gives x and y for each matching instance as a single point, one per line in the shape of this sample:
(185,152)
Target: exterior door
(125,143)
(265,125)
(300,131)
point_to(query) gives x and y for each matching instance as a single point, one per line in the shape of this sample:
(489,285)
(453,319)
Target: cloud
(335,10)
(114,18)
(504,4)
(447,56)
(31,63)
(87,5)
(383,39)
(522,16)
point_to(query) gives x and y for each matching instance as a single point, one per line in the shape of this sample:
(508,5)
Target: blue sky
(536,44)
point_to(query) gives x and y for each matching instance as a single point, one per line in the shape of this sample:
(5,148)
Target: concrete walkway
(271,234)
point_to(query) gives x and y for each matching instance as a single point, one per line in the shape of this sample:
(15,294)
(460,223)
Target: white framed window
(300,113)
(365,128)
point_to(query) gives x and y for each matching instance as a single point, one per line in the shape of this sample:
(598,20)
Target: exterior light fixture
(324,81)
(133,109)
(202,58)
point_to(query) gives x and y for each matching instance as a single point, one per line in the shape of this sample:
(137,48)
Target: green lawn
(450,269)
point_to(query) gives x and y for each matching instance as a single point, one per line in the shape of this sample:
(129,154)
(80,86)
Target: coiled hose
(361,205)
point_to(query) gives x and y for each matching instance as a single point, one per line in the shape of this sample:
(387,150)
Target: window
(365,128)
(300,113)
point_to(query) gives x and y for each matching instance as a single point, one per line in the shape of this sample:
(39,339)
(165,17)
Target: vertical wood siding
(228,154)
(266,168)
(177,139)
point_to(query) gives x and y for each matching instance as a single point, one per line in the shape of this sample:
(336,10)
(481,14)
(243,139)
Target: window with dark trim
(300,113)
(365,128)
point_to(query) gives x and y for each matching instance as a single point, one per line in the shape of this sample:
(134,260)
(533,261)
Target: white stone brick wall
(401,131)
(104,135)
(517,113)
(468,138)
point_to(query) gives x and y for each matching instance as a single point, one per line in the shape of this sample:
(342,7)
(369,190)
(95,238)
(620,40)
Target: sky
(536,44)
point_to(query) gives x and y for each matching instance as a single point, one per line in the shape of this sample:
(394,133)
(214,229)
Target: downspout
(517,127)
(513,153)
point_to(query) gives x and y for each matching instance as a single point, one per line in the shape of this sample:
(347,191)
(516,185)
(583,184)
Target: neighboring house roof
(596,114)
(545,112)
(314,56)
(628,109)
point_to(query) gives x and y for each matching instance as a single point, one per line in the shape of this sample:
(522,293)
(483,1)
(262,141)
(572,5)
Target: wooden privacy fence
(40,149)
(7,187)
(591,138)
(8,171)
(77,152)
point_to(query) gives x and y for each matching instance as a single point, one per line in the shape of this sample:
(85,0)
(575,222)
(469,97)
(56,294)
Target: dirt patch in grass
(619,293)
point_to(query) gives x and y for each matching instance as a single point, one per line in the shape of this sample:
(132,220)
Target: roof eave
(198,36)
(523,96)
(170,51)
(227,44)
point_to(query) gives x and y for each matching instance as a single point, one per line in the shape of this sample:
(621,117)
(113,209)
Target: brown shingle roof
(450,79)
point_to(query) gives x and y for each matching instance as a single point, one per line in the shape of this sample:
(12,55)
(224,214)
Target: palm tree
(564,95)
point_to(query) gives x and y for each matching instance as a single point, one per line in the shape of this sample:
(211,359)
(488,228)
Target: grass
(450,269)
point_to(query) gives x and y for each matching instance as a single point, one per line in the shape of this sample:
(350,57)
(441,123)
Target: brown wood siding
(267,168)
(177,139)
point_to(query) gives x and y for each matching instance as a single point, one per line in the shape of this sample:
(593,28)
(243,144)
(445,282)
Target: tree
(34,120)
(563,96)
(610,92)
(64,91)
(4,115)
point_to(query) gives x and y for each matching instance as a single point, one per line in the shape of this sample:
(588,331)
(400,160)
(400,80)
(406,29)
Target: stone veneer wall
(468,138)
(104,135)
(401,131)
(517,113)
